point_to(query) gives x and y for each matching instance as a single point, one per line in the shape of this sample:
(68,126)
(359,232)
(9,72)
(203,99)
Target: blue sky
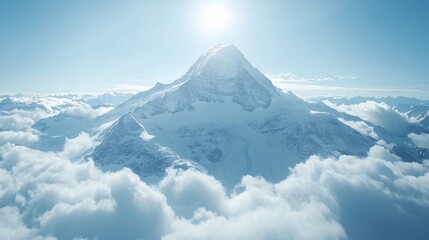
(90,46)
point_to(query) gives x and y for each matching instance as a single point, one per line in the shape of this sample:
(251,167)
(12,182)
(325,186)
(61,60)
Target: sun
(214,17)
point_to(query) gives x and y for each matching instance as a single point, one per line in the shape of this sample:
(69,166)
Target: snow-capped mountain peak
(220,75)
(226,62)
(221,61)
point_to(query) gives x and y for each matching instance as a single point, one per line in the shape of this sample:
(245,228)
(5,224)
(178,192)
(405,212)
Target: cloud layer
(55,197)
(361,127)
(379,114)
(46,195)
(20,137)
(421,140)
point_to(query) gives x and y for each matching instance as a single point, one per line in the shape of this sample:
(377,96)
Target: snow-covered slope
(231,143)
(127,144)
(425,121)
(228,117)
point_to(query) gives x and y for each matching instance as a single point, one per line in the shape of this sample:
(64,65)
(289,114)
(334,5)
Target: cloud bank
(48,196)
(45,195)
(379,114)
(361,127)
(421,140)
(19,138)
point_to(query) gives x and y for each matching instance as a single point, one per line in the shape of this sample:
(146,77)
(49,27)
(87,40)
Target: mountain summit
(226,62)
(222,61)
(222,74)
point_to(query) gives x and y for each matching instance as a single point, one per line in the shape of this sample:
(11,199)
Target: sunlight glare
(214,17)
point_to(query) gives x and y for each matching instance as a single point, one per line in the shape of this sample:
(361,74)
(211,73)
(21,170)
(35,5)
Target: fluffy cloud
(74,148)
(61,117)
(379,114)
(361,127)
(72,104)
(376,197)
(188,191)
(55,102)
(58,198)
(19,138)
(421,140)
(257,211)
(12,227)
(18,119)
(15,122)
(35,114)
(85,111)
(323,199)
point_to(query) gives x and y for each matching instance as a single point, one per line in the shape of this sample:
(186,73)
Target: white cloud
(75,104)
(421,140)
(15,122)
(188,191)
(63,199)
(12,227)
(85,111)
(380,152)
(43,194)
(34,115)
(257,212)
(321,199)
(361,127)
(75,148)
(379,114)
(19,138)
(57,102)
